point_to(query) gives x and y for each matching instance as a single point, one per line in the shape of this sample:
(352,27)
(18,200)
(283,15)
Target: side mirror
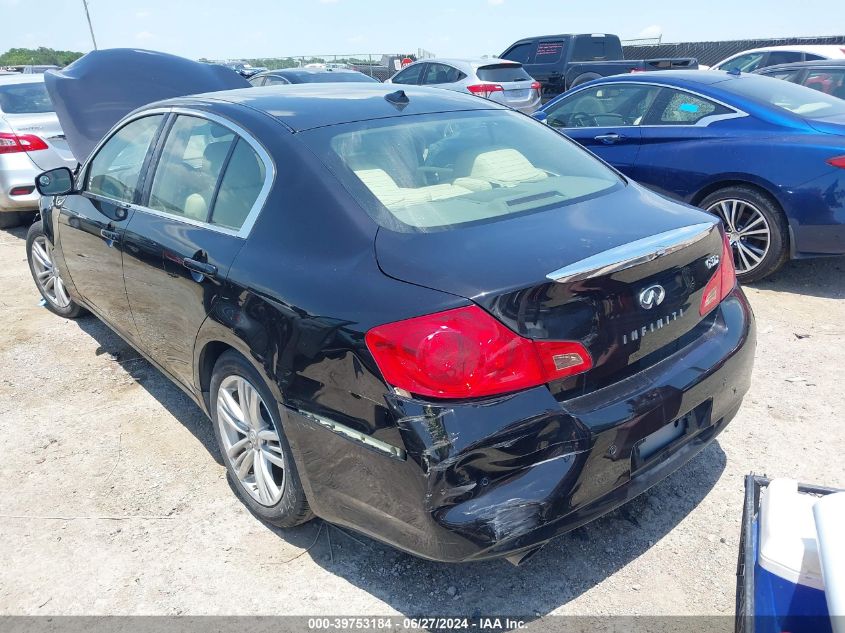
(540,116)
(56,182)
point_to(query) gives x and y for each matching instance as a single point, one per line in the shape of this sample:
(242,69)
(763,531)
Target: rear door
(198,205)
(606,119)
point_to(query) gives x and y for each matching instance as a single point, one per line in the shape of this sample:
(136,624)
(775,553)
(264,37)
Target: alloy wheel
(46,276)
(748,232)
(250,440)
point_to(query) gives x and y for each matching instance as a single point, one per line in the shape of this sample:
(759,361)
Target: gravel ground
(113,499)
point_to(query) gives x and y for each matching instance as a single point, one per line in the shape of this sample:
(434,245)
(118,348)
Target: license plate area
(669,436)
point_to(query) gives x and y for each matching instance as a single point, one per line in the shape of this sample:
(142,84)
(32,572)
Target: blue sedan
(767,156)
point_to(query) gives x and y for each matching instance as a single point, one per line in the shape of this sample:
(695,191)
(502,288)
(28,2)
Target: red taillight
(838,161)
(722,282)
(536,86)
(21,191)
(485,90)
(13,143)
(466,353)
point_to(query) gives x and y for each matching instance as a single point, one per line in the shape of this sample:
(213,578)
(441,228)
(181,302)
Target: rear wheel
(756,228)
(255,451)
(39,253)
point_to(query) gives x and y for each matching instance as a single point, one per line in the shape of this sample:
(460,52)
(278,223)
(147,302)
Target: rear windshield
(439,171)
(331,77)
(25,99)
(800,100)
(503,73)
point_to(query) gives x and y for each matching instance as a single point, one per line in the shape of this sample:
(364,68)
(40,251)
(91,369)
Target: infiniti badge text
(635,335)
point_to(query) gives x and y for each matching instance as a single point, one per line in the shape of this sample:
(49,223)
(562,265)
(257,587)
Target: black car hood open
(97,90)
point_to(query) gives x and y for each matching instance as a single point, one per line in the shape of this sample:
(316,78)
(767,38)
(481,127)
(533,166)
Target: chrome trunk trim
(633,254)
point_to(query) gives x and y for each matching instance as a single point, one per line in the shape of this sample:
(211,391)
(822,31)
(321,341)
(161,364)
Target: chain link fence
(709,53)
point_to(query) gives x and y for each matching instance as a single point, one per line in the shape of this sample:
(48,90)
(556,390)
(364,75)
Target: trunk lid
(622,273)
(45,126)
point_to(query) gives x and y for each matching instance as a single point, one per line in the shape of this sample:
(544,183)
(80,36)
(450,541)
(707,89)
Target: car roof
(307,71)
(837,50)
(473,62)
(818,63)
(19,78)
(671,77)
(306,106)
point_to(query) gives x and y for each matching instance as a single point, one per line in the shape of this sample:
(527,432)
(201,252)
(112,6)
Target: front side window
(273,80)
(811,104)
(26,98)
(608,105)
(439,171)
(411,75)
(521,53)
(743,63)
(115,170)
(785,75)
(683,108)
(829,81)
(190,165)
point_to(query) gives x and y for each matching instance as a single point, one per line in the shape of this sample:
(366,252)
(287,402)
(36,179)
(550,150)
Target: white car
(756,58)
(31,141)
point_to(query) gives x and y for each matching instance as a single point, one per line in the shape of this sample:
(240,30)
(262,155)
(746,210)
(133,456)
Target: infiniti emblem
(652,296)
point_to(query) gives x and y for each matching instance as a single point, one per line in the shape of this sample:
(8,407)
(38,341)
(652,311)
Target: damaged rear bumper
(501,477)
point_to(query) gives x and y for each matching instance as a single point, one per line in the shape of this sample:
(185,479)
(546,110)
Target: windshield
(29,98)
(334,77)
(800,100)
(438,171)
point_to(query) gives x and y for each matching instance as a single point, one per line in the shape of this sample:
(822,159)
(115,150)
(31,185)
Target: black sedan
(286,76)
(413,312)
(827,75)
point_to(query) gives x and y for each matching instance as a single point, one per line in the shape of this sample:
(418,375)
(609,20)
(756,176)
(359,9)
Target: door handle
(110,236)
(609,139)
(199,269)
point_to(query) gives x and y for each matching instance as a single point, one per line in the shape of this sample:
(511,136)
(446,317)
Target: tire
(582,79)
(758,232)
(39,255)
(263,451)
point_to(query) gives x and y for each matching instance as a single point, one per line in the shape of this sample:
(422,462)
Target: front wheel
(39,254)
(756,228)
(255,451)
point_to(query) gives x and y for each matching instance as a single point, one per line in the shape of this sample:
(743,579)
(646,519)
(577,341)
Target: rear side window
(441,74)
(503,73)
(207,173)
(785,75)
(783,57)
(190,166)
(272,80)
(521,53)
(683,108)
(744,63)
(239,189)
(116,168)
(549,51)
(25,99)
(589,48)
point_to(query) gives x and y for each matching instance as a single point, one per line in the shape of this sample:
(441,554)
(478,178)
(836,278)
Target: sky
(232,29)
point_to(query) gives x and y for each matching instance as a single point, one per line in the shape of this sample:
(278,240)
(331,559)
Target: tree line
(38,56)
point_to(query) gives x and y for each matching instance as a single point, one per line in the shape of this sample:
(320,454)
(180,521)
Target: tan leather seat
(505,167)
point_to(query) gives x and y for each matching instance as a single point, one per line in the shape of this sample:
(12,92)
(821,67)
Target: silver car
(31,141)
(499,80)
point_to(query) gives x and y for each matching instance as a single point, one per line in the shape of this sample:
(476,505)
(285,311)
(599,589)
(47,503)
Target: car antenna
(398,98)
(736,72)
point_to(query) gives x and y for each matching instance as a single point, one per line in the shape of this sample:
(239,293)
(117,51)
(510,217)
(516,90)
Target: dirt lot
(113,499)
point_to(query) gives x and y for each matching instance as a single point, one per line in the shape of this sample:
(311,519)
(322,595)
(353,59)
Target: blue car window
(607,105)
(683,108)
